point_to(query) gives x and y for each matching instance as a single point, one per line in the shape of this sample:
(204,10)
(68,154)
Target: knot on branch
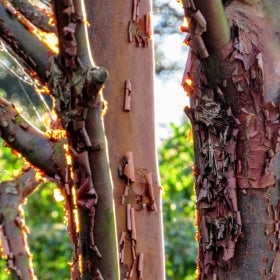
(76,91)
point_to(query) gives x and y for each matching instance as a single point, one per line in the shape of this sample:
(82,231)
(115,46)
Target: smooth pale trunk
(132,130)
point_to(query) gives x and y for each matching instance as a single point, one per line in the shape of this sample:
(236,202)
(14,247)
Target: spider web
(27,92)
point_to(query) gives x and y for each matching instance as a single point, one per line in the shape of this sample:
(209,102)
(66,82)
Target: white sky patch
(170,98)
(173,48)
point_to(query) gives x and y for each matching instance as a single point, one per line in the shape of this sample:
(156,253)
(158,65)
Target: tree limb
(43,152)
(39,17)
(26,46)
(76,83)
(217,34)
(12,226)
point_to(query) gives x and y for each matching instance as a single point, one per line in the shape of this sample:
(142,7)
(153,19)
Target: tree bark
(33,53)
(235,116)
(12,224)
(42,151)
(132,149)
(130,130)
(76,84)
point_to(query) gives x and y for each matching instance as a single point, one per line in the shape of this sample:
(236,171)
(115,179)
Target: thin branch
(43,152)
(26,46)
(39,17)
(12,225)
(218,30)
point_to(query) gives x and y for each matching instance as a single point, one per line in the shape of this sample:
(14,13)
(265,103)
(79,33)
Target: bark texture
(13,230)
(76,84)
(121,41)
(235,116)
(31,51)
(43,152)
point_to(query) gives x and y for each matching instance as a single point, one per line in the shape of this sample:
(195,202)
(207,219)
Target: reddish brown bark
(13,230)
(117,48)
(235,115)
(132,145)
(76,83)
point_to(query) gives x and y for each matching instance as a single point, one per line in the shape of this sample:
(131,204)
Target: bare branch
(217,33)
(39,17)
(12,225)
(41,151)
(26,46)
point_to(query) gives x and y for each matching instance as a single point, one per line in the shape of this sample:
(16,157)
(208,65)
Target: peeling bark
(130,132)
(13,230)
(235,117)
(33,53)
(76,84)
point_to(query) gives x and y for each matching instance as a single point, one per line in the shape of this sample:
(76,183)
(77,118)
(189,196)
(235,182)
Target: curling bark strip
(235,120)
(75,84)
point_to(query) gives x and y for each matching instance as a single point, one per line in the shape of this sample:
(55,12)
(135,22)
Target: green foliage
(176,160)
(9,163)
(48,238)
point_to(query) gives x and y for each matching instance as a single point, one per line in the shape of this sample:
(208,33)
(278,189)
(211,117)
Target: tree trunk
(121,41)
(131,129)
(234,90)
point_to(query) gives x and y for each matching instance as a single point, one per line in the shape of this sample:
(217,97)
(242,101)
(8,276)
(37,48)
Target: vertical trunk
(76,85)
(131,130)
(235,115)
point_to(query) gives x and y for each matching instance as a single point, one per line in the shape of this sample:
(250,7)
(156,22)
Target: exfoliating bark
(76,83)
(13,231)
(235,116)
(130,130)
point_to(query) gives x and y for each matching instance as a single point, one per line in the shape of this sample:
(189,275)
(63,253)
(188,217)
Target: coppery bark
(144,258)
(130,133)
(235,117)
(32,52)
(76,84)
(13,230)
